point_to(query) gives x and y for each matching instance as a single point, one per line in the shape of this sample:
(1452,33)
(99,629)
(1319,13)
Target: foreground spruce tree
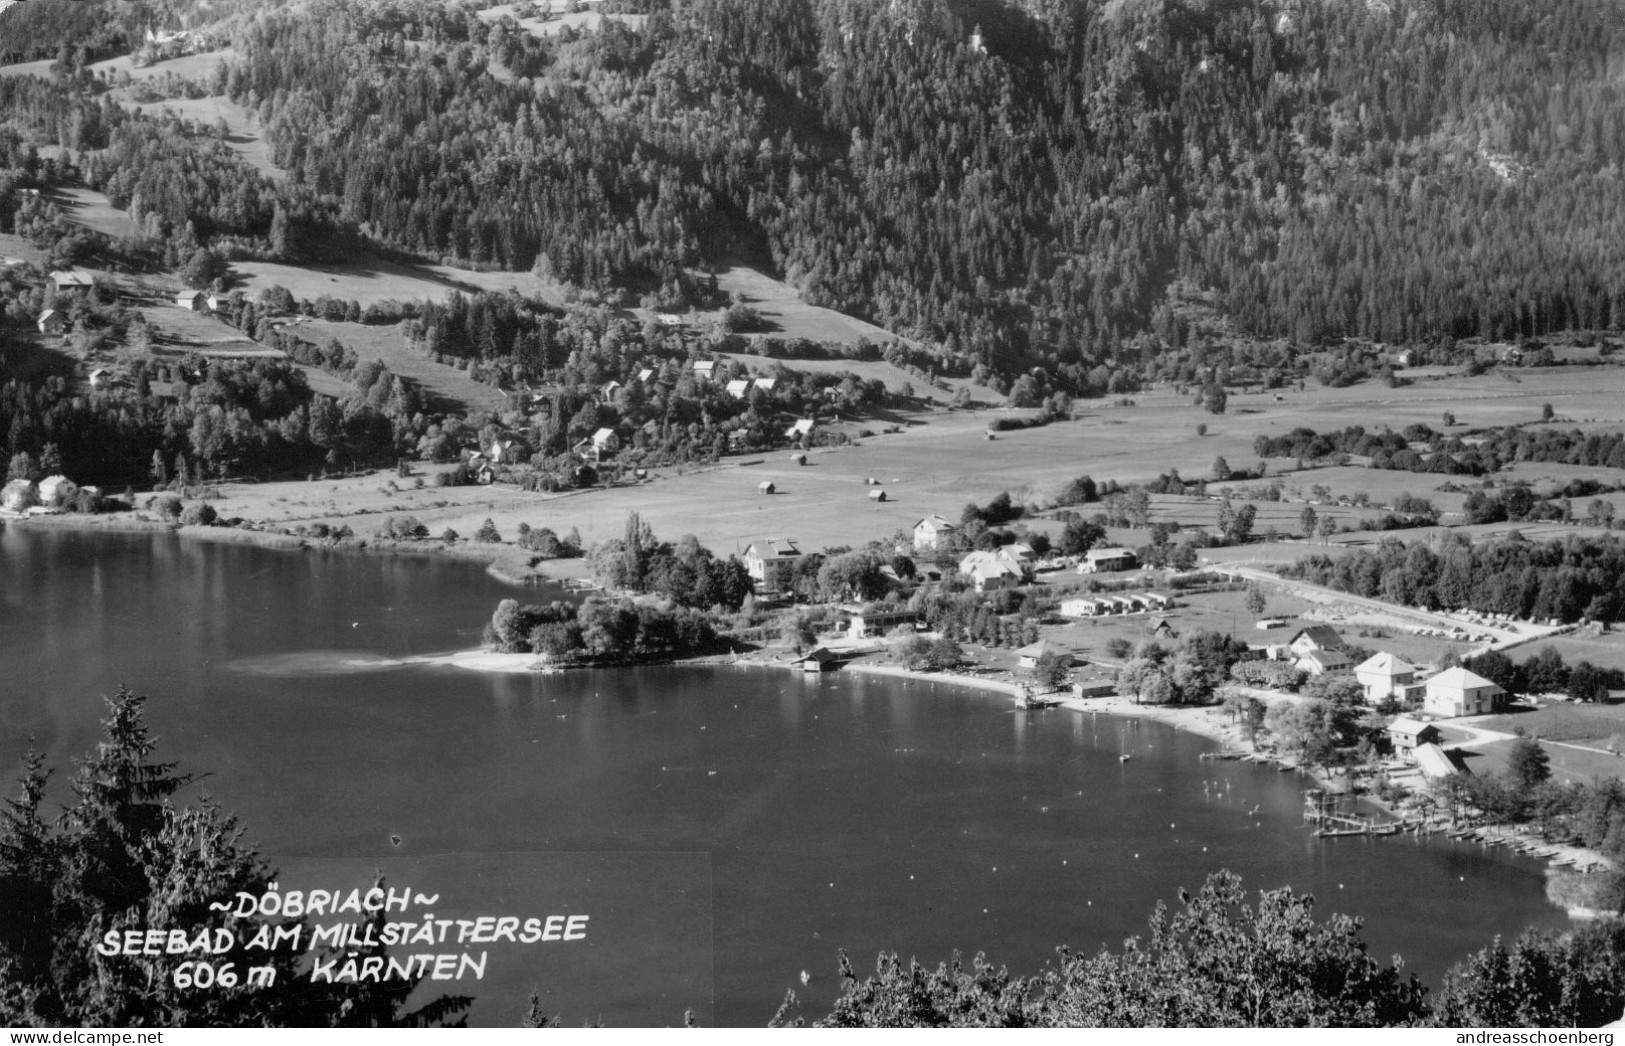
(124,857)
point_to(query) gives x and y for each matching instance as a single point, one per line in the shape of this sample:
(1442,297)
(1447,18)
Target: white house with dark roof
(992,574)
(1315,637)
(1382,675)
(932,533)
(767,560)
(57,491)
(1458,692)
(1406,734)
(1027,656)
(1320,662)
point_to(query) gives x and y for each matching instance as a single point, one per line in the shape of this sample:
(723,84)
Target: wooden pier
(1322,810)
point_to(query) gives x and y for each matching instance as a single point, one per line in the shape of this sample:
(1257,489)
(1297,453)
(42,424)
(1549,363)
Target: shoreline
(503,562)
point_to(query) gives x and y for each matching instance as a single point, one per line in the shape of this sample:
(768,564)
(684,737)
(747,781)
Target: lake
(725,830)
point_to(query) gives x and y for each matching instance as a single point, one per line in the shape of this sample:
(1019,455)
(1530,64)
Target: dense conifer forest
(1093,189)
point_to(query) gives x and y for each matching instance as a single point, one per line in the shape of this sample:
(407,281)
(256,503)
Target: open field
(198,68)
(373,279)
(790,317)
(1604,651)
(93,210)
(177,331)
(942,464)
(452,388)
(242,129)
(557,20)
(1569,765)
(1383,486)
(13,246)
(868,370)
(1582,724)
(1283,517)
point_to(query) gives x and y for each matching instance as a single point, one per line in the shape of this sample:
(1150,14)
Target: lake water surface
(724,829)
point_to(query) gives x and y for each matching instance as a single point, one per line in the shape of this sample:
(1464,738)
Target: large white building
(1458,692)
(1382,675)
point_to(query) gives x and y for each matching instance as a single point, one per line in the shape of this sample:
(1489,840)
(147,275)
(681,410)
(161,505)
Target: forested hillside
(1058,191)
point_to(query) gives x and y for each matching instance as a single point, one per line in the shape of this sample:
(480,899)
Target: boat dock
(1323,810)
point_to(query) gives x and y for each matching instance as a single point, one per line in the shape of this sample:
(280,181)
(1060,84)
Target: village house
(704,369)
(738,388)
(52,322)
(877,495)
(769,561)
(600,445)
(990,571)
(1383,676)
(1085,606)
(798,458)
(1027,657)
(868,624)
(766,486)
(993,575)
(819,659)
(608,391)
(57,491)
(767,384)
(100,378)
(932,533)
(1315,637)
(75,280)
(1105,560)
(645,375)
(1458,692)
(1320,662)
(1160,628)
(801,430)
(505,451)
(1405,734)
(193,301)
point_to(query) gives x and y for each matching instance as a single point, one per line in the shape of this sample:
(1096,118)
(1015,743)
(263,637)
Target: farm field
(453,388)
(1382,486)
(242,131)
(373,279)
(1569,765)
(1283,517)
(1582,724)
(1604,651)
(781,306)
(938,467)
(177,331)
(93,210)
(868,370)
(558,20)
